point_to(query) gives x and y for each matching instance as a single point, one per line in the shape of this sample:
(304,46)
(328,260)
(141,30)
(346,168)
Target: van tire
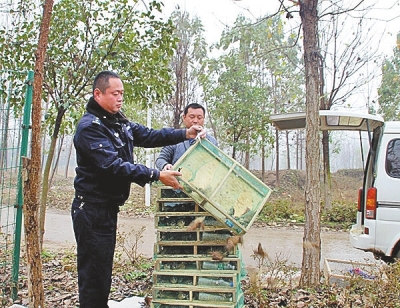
(396,251)
(388,259)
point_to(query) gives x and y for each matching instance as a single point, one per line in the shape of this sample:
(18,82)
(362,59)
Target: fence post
(26,126)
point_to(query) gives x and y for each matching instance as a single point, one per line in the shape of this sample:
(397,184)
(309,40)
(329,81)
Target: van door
(387,183)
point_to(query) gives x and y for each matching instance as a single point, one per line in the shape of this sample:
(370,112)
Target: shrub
(341,215)
(281,210)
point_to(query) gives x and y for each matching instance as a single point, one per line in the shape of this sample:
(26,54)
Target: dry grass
(345,184)
(273,284)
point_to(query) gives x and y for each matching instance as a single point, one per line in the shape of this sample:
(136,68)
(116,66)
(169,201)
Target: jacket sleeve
(149,138)
(165,157)
(100,154)
(212,140)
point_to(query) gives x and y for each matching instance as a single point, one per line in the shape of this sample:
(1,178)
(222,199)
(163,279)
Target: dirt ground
(291,185)
(279,239)
(282,243)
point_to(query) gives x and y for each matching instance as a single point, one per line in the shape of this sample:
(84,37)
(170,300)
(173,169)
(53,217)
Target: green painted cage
(222,186)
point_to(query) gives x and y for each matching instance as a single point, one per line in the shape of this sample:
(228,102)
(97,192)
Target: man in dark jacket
(104,143)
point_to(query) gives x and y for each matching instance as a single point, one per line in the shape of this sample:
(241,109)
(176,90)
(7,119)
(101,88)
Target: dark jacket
(104,146)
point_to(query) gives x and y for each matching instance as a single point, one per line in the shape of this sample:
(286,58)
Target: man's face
(194,116)
(111,100)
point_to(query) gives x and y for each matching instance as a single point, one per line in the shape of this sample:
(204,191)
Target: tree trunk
(301,150)
(235,138)
(31,184)
(310,274)
(181,66)
(247,159)
(263,159)
(57,160)
(325,104)
(297,151)
(247,155)
(4,141)
(327,171)
(71,145)
(33,253)
(277,157)
(46,173)
(287,150)
(44,132)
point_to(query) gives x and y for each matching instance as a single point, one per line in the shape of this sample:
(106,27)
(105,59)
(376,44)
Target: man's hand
(167,167)
(169,178)
(196,131)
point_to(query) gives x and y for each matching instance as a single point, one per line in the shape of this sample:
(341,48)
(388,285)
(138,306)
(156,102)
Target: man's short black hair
(194,106)
(101,80)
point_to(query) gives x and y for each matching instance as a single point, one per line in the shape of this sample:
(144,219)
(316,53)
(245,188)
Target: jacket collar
(94,108)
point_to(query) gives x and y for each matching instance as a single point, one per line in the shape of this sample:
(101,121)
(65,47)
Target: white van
(378,217)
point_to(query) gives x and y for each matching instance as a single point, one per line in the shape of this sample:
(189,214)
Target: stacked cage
(189,239)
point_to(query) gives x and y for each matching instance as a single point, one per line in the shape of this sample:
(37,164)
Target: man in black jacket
(104,143)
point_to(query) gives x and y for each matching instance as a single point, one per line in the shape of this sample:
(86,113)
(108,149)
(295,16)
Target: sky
(383,21)
(217,14)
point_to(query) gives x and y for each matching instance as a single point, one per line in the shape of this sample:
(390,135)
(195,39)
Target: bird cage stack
(197,258)
(194,264)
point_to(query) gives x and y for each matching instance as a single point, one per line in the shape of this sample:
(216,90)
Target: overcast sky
(383,21)
(217,14)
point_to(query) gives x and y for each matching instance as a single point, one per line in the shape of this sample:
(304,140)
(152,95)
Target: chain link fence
(15,113)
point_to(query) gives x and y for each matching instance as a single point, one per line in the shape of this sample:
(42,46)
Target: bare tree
(190,52)
(333,74)
(310,272)
(344,55)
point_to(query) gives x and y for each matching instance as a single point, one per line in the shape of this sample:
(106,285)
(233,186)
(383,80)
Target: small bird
(232,241)
(259,252)
(182,295)
(217,255)
(180,223)
(196,223)
(147,301)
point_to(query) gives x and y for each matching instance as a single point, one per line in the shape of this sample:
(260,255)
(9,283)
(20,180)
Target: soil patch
(290,185)
(59,269)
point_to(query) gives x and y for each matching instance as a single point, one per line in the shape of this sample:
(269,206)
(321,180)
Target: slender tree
(186,66)
(344,56)
(255,73)
(310,271)
(84,40)
(32,171)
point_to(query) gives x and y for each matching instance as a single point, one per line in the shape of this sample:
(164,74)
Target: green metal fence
(15,109)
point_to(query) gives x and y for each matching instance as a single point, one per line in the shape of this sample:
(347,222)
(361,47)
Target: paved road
(279,243)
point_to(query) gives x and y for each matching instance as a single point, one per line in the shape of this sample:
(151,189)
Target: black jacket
(104,146)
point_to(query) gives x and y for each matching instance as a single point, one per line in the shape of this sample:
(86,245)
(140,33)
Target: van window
(393,158)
